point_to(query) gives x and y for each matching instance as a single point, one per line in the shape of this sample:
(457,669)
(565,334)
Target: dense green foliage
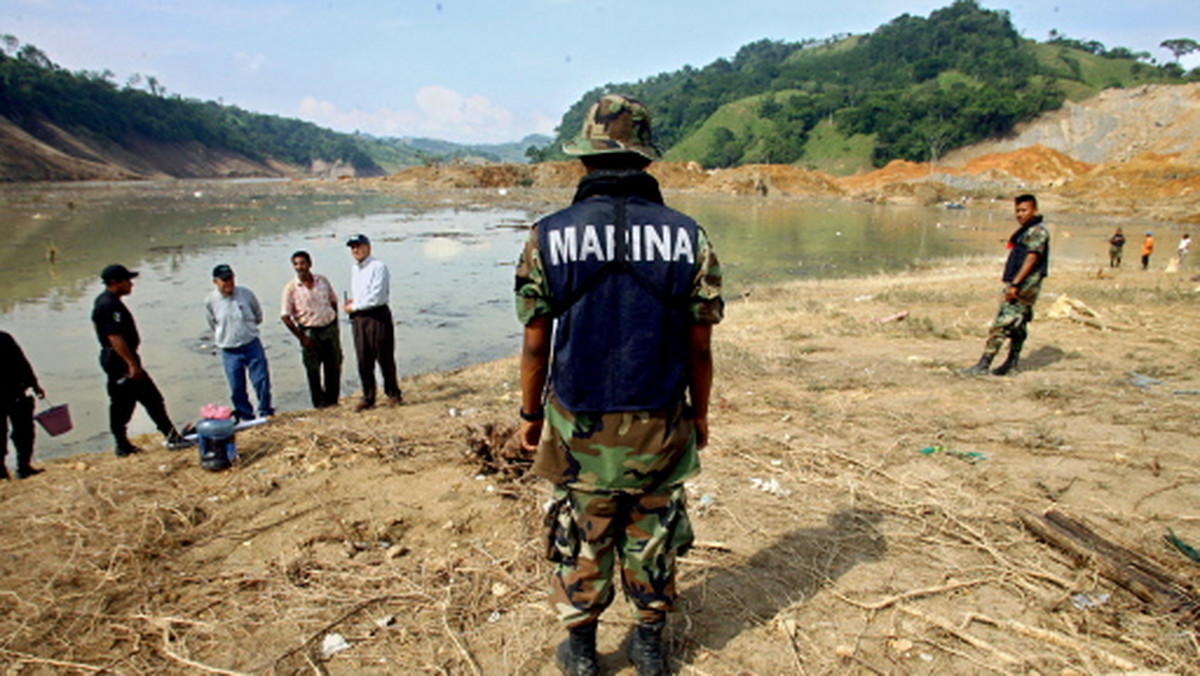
(917,86)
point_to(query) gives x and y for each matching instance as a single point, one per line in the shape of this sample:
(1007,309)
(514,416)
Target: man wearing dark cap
(234,316)
(128,383)
(618,295)
(371,320)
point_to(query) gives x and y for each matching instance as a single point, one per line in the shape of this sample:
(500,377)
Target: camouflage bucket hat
(615,124)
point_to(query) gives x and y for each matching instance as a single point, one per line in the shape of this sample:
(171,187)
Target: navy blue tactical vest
(620,272)
(1018,252)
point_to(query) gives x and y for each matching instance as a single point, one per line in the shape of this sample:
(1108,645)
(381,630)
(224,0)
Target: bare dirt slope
(25,158)
(58,155)
(1115,126)
(828,542)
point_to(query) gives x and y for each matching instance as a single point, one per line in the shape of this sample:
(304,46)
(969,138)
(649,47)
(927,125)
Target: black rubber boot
(576,656)
(981,368)
(646,649)
(1010,364)
(25,466)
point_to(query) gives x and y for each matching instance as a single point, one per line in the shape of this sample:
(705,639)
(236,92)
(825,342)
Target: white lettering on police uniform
(645,244)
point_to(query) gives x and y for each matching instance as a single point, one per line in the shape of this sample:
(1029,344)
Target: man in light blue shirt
(371,319)
(234,316)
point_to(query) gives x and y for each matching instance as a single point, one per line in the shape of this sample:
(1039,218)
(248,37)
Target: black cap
(222,271)
(116,273)
(358,239)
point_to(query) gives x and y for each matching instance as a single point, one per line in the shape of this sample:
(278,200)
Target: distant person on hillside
(371,320)
(128,383)
(309,309)
(234,315)
(1185,246)
(16,406)
(1116,245)
(627,320)
(1147,249)
(1027,265)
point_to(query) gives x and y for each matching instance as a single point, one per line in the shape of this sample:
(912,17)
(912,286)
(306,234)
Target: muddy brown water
(451,266)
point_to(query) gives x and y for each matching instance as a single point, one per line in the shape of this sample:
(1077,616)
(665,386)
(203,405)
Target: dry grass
(828,542)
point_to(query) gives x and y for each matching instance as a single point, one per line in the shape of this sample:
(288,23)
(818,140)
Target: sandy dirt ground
(406,540)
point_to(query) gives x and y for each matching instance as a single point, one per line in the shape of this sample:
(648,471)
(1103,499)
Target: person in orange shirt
(1147,249)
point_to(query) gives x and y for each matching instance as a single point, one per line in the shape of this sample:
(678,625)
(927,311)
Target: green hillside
(915,88)
(34,92)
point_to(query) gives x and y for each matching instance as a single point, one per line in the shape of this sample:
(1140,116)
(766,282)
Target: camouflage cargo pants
(1011,323)
(591,532)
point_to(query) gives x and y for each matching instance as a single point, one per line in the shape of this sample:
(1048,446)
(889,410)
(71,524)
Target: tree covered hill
(87,117)
(913,89)
(36,92)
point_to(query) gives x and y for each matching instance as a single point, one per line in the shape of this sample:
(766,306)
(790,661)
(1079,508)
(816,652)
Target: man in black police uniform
(128,382)
(16,406)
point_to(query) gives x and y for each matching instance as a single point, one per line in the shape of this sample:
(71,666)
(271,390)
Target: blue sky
(481,70)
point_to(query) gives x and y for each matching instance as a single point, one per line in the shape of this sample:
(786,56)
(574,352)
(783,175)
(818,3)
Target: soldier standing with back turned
(618,295)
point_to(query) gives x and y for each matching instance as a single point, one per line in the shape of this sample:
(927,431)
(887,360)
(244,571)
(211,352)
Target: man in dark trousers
(128,382)
(309,310)
(16,406)
(618,295)
(1027,265)
(371,320)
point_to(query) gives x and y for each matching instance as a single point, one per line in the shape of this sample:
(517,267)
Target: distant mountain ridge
(514,152)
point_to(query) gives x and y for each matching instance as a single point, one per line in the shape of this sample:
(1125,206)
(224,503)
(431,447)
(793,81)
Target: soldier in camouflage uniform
(1027,265)
(618,295)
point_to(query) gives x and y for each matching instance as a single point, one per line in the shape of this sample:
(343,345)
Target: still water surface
(451,272)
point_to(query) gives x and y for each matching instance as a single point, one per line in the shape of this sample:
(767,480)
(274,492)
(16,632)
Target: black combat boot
(981,368)
(576,656)
(1010,363)
(646,649)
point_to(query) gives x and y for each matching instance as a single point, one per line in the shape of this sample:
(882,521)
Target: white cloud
(439,112)
(249,63)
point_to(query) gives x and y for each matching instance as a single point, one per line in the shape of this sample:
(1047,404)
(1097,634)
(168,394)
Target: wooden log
(1131,569)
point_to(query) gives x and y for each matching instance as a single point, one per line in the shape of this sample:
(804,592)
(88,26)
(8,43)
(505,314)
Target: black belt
(370,311)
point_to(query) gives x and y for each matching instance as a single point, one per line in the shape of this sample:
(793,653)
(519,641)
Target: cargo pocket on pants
(680,526)
(562,534)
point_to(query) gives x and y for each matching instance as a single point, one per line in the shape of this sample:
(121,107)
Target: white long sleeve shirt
(369,284)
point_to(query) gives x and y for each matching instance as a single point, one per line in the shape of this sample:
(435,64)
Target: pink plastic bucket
(55,420)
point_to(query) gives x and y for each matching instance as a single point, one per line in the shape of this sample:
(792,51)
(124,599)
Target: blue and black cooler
(217,448)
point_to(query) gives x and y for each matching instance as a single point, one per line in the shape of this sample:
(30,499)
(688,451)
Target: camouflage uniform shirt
(617,451)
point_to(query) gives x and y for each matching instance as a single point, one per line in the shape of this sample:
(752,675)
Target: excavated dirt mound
(1035,164)
(684,176)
